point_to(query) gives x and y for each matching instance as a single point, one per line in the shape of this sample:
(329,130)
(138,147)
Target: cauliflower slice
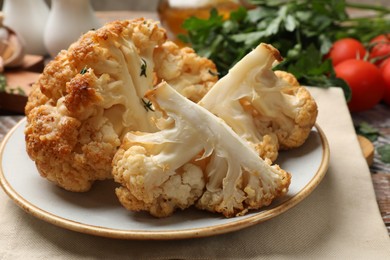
(194,158)
(271,111)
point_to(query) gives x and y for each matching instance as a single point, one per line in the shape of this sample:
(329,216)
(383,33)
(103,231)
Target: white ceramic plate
(98,211)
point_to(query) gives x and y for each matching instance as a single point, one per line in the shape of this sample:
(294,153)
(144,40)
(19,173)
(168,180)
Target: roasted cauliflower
(91,95)
(268,109)
(194,158)
(123,102)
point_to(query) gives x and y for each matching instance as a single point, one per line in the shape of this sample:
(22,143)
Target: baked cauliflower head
(194,158)
(268,109)
(92,94)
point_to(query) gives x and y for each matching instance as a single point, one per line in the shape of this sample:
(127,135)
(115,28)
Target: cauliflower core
(195,158)
(92,94)
(268,109)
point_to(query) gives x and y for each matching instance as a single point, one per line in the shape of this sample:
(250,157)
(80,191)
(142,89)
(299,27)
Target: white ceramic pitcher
(28,19)
(68,20)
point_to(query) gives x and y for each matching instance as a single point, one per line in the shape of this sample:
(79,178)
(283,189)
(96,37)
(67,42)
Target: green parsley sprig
(303,31)
(147,105)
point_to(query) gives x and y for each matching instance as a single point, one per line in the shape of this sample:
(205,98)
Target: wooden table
(379,117)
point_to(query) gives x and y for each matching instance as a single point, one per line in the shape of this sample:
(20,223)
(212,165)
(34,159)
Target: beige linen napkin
(339,220)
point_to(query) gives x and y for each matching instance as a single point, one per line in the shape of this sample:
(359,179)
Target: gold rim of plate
(166,234)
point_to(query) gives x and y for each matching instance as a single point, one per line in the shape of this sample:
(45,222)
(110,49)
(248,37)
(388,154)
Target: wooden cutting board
(367,149)
(19,82)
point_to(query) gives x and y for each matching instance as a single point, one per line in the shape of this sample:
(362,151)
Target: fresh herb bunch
(303,31)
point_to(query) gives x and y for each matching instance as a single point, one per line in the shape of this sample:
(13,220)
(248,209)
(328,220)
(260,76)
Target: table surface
(379,117)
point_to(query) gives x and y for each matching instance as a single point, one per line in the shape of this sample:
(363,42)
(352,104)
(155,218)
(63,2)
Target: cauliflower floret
(150,184)
(195,157)
(271,113)
(288,77)
(191,75)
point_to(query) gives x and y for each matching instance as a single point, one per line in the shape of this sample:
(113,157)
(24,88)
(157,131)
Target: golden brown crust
(35,99)
(68,135)
(275,52)
(92,48)
(81,93)
(288,77)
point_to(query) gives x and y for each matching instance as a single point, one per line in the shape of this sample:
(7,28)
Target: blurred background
(124,5)
(151,5)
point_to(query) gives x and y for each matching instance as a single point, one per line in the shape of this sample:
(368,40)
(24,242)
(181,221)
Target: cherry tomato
(365,81)
(385,70)
(381,47)
(345,49)
(384,62)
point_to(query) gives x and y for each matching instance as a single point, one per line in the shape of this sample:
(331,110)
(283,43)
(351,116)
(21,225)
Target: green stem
(377,8)
(366,18)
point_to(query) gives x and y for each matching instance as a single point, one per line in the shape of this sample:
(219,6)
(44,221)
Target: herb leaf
(384,152)
(147,105)
(302,30)
(144,65)
(367,131)
(84,70)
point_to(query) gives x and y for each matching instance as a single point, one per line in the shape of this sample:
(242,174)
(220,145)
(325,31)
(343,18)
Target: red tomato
(381,47)
(365,81)
(384,63)
(345,49)
(385,70)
